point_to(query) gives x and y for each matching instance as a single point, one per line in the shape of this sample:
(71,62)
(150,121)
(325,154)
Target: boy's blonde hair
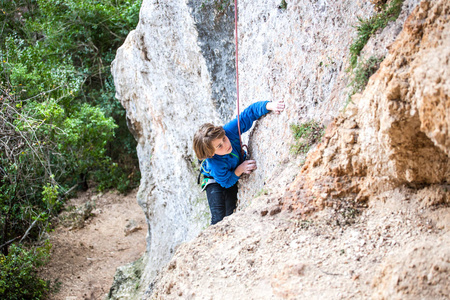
(203,140)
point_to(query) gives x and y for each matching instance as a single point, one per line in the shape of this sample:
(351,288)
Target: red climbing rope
(237,76)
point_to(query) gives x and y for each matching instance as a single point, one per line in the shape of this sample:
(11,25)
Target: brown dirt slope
(86,253)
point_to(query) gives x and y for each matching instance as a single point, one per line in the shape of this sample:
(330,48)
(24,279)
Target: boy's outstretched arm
(275,106)
(249,166)
(251,114)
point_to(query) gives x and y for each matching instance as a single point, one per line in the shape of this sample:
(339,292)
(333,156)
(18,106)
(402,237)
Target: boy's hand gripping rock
(276,106)
(247,167)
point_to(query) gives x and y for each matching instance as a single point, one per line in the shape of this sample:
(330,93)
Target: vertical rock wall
(298,54)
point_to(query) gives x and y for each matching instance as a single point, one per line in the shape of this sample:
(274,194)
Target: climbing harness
(237,78)
(206,180)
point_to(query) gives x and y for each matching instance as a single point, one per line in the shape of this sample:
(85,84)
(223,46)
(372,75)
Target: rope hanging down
(237,76)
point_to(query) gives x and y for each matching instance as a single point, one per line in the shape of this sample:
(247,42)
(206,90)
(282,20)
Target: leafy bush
(220,5)
(362,73)
(283,5)
(27,157)
(70,67)
(115,177)
(92,32)
(85,135)
(306,135)
(18,273)
(368,27)
(58,118)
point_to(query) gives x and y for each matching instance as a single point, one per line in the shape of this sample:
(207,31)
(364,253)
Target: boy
(223,164)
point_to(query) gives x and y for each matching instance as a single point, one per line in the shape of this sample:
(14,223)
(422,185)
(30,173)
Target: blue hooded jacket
(221,167)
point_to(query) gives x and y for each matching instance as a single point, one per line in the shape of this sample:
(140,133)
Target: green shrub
(58,117)
(367,27)
(305,136)
(58,114)
(283,5)
(117,178)
(220,5)
(362,73)
(19,273)
(59,53)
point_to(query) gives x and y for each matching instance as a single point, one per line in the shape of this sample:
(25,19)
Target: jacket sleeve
(247,117)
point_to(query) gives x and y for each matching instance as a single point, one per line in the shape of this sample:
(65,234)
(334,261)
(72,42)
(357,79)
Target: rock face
(395,132)
(390,145)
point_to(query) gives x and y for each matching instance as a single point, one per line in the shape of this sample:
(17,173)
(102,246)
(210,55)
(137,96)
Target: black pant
(222,201)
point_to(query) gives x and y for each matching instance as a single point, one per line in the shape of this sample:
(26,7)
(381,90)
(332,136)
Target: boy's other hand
(275,106)
(247,167)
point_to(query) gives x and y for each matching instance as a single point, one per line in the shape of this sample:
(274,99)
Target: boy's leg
(230,199)
(216,201)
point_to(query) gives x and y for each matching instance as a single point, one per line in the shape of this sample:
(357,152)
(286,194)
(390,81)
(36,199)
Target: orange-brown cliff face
(396,133)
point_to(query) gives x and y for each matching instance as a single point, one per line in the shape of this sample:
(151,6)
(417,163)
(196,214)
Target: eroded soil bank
(396,248)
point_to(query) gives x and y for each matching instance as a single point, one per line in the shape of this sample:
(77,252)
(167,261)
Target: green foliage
(85,136)
(305,136)
(63,54)
(261,192)
(27,155)
(362,73)
(58,117)
(220,5)
(283,5)
(112,176)
(368,27)
(89,32)
(50,195)
(18,273)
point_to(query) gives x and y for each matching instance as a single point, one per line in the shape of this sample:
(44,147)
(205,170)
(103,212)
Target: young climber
(223,163)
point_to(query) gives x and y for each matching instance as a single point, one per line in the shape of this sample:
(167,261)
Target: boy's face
(222,146)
